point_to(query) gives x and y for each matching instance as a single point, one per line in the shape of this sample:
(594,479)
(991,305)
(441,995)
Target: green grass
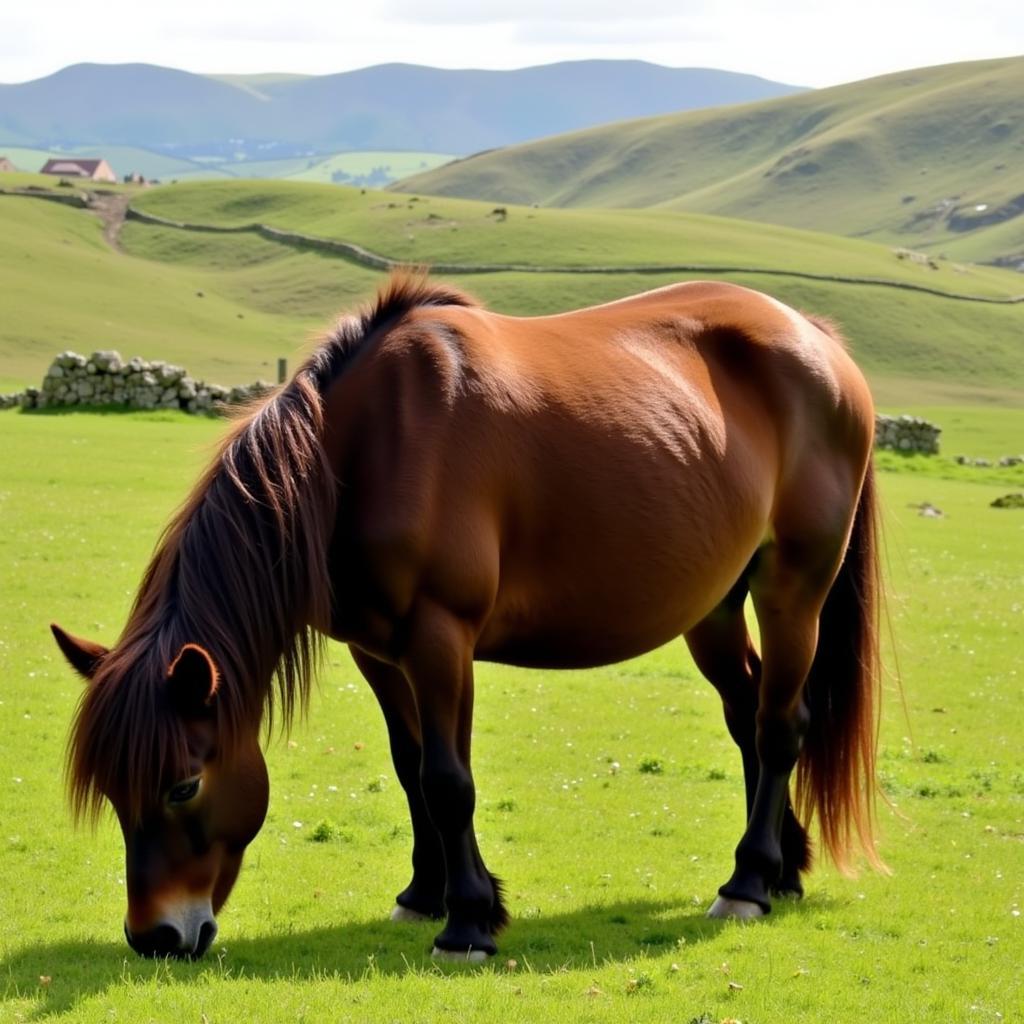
(609,872)
(358,164)
(868,159)
(65,288)
(261,300)
(25,159)
(433,229)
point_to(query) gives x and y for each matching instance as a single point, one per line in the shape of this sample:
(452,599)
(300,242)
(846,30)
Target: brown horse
(440,484)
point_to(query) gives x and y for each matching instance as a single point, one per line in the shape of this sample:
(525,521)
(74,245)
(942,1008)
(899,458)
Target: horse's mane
(242,570)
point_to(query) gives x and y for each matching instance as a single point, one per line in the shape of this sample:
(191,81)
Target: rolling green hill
(227,303)
(930,159)
(453,231)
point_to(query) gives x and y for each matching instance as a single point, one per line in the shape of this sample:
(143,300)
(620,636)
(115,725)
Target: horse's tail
(836,771)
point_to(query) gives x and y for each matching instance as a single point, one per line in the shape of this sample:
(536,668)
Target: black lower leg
(473,896)
(425,892)
(760,855)
(795,843)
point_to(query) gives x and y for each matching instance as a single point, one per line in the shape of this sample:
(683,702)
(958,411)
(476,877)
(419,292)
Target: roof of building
(72,165)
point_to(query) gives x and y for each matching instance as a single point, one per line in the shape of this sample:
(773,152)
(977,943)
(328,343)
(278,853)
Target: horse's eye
(183,791)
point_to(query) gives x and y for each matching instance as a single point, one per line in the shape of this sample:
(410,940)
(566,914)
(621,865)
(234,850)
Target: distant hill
(932,158)
(388,107)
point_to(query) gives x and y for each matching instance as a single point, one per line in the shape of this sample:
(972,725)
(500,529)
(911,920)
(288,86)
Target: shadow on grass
(79,970)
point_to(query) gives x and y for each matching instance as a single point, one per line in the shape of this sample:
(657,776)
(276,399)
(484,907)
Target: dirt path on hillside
(110,207)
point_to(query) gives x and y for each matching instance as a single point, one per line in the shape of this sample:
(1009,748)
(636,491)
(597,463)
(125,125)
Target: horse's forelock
(125,742)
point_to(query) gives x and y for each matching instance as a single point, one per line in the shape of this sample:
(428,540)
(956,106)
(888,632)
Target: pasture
(609,799)
(227,305)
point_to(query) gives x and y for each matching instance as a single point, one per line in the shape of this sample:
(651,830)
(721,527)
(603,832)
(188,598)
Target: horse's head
(185,775)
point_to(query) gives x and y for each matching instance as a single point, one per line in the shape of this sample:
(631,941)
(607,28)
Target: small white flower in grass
(296,824)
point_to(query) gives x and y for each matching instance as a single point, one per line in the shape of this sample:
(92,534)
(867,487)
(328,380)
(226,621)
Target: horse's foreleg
(439,665)
(789,586)
(721,648)
(424,895)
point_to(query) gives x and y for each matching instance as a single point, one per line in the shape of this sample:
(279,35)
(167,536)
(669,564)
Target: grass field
(227,306)
(609,872)
(438,229)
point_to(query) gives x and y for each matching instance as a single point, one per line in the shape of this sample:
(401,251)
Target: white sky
(802,42)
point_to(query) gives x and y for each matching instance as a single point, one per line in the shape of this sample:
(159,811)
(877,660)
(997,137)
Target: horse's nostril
(207,933)
(163,940)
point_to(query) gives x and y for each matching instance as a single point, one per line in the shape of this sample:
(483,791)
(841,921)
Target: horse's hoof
(453,956)
(740,910)
(400,913)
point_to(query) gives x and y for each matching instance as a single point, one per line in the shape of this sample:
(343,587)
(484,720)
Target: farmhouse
(96,170)
(6,165)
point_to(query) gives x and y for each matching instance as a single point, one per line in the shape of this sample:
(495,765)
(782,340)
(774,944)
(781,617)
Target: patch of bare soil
(110,207)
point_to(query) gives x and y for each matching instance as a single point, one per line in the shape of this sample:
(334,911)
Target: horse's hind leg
(424,895)
(789,583)
(721,647)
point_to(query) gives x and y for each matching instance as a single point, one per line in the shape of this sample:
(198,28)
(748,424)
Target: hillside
(438,230)
(228,303)
(388,107)
(930,159)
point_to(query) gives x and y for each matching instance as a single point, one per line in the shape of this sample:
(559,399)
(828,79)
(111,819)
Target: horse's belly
(569,647)
(580,612)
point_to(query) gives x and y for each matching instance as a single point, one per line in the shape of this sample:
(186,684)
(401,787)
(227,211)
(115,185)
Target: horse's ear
(193,679)
(83,655)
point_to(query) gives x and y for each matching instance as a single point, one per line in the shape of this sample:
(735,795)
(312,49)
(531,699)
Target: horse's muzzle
(167,940)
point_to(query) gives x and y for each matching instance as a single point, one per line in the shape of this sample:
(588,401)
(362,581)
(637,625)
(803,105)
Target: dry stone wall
(906,434)
(104,378)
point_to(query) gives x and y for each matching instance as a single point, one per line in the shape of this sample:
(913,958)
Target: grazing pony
(439,484)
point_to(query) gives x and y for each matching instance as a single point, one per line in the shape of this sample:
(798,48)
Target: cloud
(808,42)
(478,12)
(663,32)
